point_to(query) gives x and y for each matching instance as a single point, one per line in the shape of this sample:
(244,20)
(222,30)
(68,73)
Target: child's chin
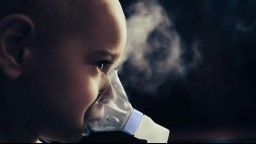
(67,135)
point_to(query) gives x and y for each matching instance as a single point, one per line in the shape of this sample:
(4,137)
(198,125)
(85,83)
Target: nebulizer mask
(112,111)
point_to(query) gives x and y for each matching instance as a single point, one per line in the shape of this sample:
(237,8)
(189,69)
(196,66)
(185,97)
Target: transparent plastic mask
(112,109)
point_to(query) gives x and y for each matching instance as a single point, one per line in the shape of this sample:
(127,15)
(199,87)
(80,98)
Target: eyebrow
(106,53)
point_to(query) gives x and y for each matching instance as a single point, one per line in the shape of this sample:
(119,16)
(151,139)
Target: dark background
(216,101)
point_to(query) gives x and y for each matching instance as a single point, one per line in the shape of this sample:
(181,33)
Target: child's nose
(108,94)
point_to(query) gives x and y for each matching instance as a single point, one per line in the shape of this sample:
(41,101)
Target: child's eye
(102,64)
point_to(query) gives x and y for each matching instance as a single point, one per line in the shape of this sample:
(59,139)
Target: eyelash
(102,64)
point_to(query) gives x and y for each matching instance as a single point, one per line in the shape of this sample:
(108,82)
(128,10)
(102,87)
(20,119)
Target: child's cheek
(82,94)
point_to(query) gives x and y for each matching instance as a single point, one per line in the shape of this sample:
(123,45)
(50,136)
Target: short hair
(46,14)
(51,17)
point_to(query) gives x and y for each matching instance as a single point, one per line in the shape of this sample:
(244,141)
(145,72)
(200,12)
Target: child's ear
(16,36)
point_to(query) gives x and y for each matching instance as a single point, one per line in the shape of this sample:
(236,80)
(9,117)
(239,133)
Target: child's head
(52,55)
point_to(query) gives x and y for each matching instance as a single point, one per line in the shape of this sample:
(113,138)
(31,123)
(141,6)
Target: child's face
(62,81)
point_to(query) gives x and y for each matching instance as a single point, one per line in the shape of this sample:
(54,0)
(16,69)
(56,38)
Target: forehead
(100,24)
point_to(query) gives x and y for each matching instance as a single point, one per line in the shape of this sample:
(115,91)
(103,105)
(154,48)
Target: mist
(154,50)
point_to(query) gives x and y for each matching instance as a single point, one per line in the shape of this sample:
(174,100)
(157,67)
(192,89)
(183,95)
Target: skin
(51,86)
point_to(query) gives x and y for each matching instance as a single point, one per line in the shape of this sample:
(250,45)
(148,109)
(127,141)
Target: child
(55,56)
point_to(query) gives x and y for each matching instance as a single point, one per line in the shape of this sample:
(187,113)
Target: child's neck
(12,129)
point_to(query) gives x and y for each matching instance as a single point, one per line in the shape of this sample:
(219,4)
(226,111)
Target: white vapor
(154,47)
